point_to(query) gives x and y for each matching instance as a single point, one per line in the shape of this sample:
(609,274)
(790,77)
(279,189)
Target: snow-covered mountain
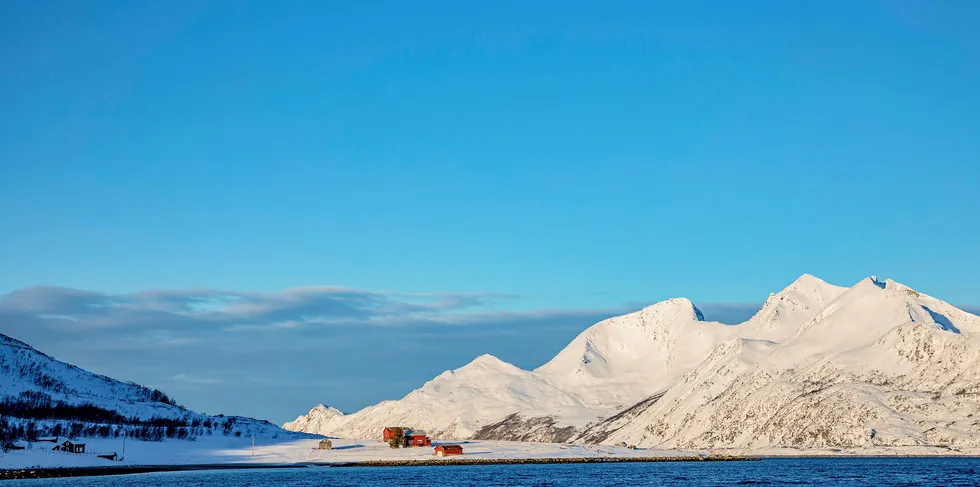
(456,404)
(622,360)
(24,369)
(881,365)
(31,381)
(818,366)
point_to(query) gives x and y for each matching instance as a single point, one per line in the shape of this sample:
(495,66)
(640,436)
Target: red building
(447,450)
(412,437)
(417,438)
(389,432)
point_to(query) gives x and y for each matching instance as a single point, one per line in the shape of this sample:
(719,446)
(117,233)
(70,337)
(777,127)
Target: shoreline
(536,461)
(59,472)
(63,472)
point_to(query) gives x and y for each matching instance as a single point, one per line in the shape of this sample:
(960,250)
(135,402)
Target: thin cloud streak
(78,310)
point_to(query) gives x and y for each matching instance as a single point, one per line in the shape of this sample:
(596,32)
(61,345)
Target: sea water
(809,471)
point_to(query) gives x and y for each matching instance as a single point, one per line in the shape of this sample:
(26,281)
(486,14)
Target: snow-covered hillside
(37,388)
(455,404)
(881,365)
(622,360)
(819,366)
(23,369)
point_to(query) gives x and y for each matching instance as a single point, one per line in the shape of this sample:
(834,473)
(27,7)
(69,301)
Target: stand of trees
(15,429)
(397,439)
(33,414)
(155,395)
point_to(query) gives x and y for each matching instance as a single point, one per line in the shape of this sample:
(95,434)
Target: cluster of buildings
(415,438)
(67,446)
(410,437)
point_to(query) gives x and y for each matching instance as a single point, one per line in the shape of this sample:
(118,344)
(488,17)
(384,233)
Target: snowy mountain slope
(881,365)
(609,366)
(867,311)
(320,418)
(455,404)
(30,379)
(22,368)
(623,359)
(784,312)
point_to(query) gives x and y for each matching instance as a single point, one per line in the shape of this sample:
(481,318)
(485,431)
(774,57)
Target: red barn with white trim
(447,450)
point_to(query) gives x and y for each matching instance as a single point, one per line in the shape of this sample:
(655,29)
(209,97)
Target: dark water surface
(813,471)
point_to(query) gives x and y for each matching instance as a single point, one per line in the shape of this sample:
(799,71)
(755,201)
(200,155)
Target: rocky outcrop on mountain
(516,427)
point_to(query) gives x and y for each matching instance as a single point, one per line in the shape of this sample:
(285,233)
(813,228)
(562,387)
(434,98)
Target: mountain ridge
(38,389)
(652,376)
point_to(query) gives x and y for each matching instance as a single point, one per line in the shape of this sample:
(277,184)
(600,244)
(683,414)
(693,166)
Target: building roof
(415,433)
(450,447)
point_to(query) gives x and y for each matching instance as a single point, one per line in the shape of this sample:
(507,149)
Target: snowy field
(212,450)
(221,450)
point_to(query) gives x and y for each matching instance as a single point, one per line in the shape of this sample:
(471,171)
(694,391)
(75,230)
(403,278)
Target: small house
(417,438)
(325,445)
(70,447)
(109,456)
(447,450)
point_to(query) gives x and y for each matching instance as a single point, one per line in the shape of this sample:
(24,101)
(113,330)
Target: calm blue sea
(819,472)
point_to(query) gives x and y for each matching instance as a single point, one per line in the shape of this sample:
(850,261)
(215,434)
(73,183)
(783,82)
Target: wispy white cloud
(294,308)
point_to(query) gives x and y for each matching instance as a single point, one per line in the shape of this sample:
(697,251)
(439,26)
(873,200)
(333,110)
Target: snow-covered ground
(231,450)
(221,450)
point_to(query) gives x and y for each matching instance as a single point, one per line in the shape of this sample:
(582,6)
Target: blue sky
(520,171)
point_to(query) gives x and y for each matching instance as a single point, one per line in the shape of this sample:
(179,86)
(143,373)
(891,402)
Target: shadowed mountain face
(41,395)
(878,355)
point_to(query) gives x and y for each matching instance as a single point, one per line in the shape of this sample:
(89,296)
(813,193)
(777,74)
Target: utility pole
(253,446)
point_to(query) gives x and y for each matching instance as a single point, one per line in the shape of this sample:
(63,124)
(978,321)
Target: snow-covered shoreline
(229,451)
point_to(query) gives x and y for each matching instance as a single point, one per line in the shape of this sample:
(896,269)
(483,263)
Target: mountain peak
(486,362)
(810,285)
(809,281)
(487,359)
(889,284)
(785,311)
(327,410)
(673,307)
